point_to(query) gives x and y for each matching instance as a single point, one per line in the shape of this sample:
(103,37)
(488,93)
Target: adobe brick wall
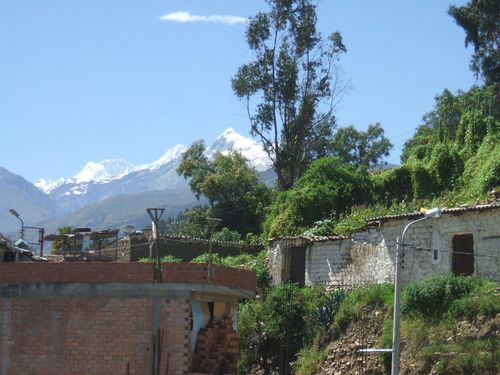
(91,318)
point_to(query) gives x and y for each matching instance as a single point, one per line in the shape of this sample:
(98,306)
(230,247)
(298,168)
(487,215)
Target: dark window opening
(298,265)
(463,254)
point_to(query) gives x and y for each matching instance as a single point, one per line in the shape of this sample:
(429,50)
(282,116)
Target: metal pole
(155,215)
(213,223)
(41,234)
(396,335)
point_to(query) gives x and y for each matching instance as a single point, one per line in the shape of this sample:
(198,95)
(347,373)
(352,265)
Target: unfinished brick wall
(81,318)
(196,273)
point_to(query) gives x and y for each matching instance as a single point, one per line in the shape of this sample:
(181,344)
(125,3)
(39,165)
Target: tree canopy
(233,188)
(296,83)
(361,147)
(481,21)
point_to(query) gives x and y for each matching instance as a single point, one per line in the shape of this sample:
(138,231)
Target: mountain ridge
(112,192)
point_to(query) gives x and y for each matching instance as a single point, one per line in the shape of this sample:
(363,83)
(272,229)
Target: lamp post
(396,336)
(16,214)
(155,215)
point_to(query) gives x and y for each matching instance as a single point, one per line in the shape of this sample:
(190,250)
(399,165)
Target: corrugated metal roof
(455,210)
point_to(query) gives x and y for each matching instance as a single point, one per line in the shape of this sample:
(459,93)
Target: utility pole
(213,221)
(396,336)
(155,215)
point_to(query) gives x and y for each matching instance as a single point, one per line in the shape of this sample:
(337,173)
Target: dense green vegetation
(232,187)
(308,318)
(453,158)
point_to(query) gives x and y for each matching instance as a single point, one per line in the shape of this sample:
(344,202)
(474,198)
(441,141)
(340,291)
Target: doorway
(463,254)
(298,265)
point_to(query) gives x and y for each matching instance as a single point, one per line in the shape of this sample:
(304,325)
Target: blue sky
(93,80)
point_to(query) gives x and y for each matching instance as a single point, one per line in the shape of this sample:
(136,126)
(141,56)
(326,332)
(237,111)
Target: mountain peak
(250,149)
(104,170)
(171,154)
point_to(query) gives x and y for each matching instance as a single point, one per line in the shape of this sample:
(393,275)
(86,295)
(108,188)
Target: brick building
(110,318)
(464,240)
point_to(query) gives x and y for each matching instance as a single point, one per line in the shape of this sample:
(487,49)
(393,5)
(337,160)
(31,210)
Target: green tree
(192,223)
(232,187)
(295,79)
(329,188)
(361,147)
(481,21)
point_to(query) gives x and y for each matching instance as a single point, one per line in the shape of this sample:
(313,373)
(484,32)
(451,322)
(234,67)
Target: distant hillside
(123,210)
(32,204)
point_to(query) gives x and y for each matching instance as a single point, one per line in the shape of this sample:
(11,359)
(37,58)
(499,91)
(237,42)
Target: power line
(428,249)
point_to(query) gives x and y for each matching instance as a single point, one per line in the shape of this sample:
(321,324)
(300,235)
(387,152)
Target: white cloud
(184,17)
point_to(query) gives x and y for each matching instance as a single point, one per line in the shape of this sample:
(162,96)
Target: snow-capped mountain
(251,150)
(109,178)
(107,170)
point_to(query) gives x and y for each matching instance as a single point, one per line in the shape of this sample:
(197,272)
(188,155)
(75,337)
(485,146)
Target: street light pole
(16,214)
(155,215)
(396,335)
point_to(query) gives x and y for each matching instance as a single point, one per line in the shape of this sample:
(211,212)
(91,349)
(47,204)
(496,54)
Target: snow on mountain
(104,171)
(231,140)
(172,154)
(47,185)
(108,178)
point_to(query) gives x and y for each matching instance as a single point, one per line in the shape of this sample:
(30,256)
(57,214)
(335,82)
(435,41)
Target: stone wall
(368,256)
(349,262)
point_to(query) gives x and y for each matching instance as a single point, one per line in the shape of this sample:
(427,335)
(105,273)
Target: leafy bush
(287,314)
(165,259)
(329,188)
(227,235)
(255,263)
(482,300)
(380,295)
(203,258)
(394,185)
(433,296)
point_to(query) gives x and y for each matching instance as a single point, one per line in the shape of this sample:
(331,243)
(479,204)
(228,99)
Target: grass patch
(380,295)
(310,359)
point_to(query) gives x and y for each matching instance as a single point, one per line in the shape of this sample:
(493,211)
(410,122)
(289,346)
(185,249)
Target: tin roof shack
(111,318)
(83,244)
(20,251)
(464,240)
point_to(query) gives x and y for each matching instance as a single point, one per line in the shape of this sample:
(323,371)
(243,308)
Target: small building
(84,244)
(20,251)
(464,240)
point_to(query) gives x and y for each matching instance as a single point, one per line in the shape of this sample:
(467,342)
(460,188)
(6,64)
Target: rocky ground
(343,358)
